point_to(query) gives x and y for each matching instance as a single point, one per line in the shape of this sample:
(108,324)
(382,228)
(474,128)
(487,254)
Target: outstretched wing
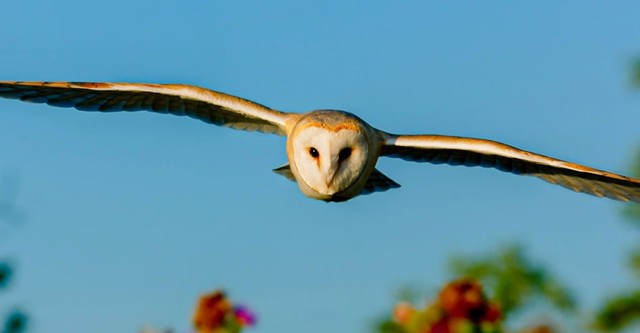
(490,154)
(177,99)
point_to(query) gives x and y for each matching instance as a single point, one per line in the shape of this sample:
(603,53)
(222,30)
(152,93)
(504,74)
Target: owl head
(329,153)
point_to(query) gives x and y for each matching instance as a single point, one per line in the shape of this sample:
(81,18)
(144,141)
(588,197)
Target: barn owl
(332,154)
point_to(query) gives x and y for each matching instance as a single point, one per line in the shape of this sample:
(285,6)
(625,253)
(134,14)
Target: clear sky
(132,215)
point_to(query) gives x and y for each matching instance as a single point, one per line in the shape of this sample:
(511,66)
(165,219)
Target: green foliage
(618,312)
(16,323)
(633,211)
(634,261)
(514,280)
(635,73)
(5,274)
(389,326)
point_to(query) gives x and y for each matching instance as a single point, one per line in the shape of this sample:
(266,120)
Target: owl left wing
(183,100)
(490,154)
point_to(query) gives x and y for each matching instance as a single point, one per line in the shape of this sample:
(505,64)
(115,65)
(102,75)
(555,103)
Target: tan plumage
(332,154)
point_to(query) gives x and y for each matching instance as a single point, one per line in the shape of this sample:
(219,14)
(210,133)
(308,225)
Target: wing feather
(207,105)
(490,154)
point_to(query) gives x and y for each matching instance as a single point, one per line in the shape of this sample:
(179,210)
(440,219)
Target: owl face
(328,160)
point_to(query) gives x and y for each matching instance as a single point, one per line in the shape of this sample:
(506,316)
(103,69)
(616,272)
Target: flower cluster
(461,307)
(216,314)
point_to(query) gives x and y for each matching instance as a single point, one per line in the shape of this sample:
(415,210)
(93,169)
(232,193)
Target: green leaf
(635,73)
(5,274)
(632,212)
(618,312)
(16,322)
(390,326)
(634,261)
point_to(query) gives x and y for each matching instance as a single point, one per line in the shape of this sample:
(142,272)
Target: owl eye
(344,154)
(313,152)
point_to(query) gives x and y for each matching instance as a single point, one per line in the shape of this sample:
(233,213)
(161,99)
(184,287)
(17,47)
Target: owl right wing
(183,100)
(451,150)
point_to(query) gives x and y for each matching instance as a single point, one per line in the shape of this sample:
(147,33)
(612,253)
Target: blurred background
(114,222)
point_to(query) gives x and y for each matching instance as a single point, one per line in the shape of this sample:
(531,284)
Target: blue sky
(131,216)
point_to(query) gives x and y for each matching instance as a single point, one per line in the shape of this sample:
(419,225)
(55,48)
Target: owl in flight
(332,154)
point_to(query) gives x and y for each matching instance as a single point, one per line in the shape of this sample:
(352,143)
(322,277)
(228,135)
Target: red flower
(465,299)
(492,313)
(441,326)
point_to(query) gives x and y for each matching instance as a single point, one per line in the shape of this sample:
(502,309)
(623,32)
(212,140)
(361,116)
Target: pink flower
(244,315)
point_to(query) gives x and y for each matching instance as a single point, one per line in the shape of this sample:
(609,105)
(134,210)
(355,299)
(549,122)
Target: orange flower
(211,312)
(403,312)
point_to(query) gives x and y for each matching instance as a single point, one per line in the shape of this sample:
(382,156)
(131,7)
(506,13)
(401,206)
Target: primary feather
(182,100)
(451,150)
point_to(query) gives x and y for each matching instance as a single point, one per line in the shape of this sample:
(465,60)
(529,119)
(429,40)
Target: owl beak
(330,173)
(329,179)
